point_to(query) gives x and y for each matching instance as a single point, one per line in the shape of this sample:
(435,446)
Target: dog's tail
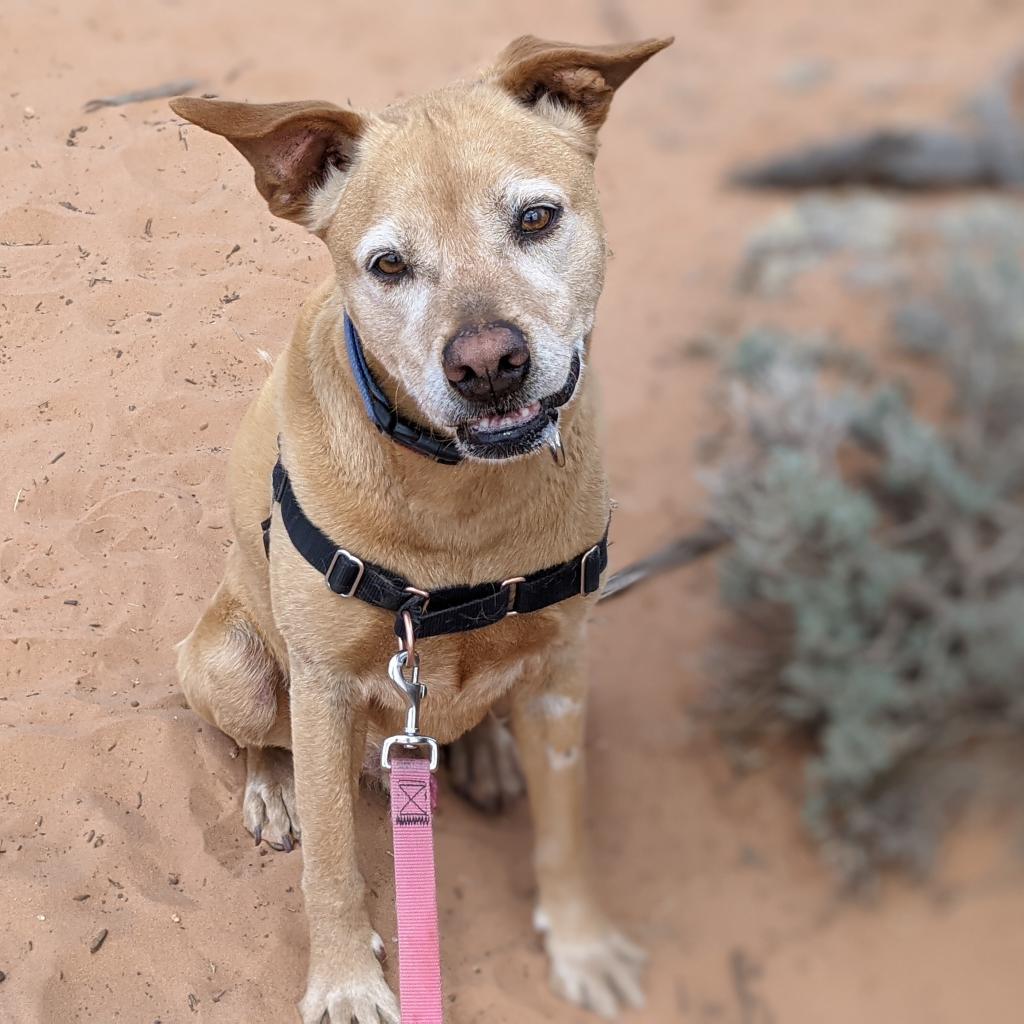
(911,159)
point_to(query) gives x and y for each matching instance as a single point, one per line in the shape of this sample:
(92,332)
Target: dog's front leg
(345,978)
(592,963)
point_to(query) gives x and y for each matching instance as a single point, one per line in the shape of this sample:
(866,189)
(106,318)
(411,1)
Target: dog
(468,255)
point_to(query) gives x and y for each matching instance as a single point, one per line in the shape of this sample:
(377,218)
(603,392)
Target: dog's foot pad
(483,767)
(268,808)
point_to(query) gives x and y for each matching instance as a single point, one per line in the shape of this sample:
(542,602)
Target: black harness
(433,613)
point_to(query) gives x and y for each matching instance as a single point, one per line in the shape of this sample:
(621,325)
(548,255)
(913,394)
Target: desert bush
(878,558)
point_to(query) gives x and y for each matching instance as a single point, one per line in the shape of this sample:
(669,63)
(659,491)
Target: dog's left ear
(581,78)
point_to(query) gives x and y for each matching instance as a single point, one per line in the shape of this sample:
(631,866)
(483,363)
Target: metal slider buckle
(513,590)
(357,562)
(420,593)
(583,568)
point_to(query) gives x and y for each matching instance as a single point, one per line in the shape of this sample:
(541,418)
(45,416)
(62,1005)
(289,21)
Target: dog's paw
(269,808)
(347,997)
(602,973)
(483,767)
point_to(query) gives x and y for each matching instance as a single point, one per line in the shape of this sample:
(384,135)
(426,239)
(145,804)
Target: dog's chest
(464,681)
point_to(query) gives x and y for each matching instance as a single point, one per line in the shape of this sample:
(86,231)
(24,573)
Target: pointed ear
(580,78)
(294,148)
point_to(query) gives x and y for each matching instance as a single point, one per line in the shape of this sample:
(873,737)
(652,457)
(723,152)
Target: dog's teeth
(511,419)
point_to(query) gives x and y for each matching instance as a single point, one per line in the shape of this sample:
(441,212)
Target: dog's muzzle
(508,435)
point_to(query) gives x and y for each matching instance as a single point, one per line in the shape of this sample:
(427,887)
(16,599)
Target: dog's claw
(286,844)
(258,834)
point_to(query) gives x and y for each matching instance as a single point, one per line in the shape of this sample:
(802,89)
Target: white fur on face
(520,192)
(402,310)
(383,237)
(467,256)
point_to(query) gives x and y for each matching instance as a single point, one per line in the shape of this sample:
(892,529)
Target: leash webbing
(419,954)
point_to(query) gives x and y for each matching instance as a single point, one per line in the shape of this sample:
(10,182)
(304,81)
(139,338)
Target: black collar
(382,413)
(449,610)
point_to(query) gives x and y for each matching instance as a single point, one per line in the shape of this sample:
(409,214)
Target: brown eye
(535,219)
(390,264)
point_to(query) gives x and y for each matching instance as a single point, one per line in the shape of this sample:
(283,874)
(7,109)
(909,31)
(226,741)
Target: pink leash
(413,798)
(419,955)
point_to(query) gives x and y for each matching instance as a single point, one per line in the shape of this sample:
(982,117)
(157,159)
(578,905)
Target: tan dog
(469,250)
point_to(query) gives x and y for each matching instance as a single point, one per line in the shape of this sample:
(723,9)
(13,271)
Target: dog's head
(464,228)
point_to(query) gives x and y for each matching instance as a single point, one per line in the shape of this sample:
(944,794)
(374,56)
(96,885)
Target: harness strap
(449,610)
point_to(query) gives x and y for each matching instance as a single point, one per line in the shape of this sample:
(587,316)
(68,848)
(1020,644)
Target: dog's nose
(485,362)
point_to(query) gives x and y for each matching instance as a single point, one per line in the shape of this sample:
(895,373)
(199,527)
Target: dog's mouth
(504,434)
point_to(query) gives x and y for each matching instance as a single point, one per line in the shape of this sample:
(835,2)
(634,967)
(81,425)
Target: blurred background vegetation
(875,577)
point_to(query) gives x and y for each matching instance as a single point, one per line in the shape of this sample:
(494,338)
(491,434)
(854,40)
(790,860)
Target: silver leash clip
(413,692)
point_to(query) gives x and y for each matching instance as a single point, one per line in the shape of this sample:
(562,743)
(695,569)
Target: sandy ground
(140,275)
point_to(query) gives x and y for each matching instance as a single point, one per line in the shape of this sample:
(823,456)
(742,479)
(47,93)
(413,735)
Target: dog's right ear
(293,147)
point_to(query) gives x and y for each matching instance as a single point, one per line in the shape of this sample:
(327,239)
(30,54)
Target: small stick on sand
(101,937)
(156,92)
(673,555)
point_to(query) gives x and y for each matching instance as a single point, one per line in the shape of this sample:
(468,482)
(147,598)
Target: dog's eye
(535,220)
(390,264)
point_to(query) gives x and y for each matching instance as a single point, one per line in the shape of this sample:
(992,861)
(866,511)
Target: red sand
(129,343)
